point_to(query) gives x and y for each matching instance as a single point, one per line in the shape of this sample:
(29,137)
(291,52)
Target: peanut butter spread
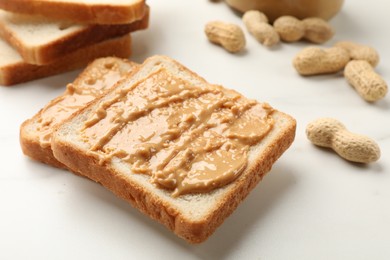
(187,138)
(77,95)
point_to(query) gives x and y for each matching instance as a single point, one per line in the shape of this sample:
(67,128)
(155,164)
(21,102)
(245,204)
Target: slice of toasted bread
(41,41)
(35,133)
(14,70)
(192,216)
(84,11)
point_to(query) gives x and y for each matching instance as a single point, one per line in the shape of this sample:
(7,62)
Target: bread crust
(78,11)
(85,36)
(157,203)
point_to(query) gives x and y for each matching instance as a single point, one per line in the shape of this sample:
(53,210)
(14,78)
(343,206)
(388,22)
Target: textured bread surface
(41,40)
(106,71)
(14,70)
(195,216)
(84,11)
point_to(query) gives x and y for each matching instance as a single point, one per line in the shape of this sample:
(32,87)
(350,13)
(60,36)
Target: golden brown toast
(146,137)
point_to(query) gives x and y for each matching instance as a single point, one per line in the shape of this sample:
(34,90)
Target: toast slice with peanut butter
(101,74)
(183,151)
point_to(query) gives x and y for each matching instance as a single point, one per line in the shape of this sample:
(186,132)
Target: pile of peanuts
(337,57)
(357,61)
(285,28)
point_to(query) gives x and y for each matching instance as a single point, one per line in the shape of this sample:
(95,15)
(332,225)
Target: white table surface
(312,205)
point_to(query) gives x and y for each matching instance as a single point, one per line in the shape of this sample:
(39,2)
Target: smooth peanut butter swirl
(187,138)
(77,95)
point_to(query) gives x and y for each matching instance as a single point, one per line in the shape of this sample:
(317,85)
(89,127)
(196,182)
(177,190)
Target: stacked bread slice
(40,38)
